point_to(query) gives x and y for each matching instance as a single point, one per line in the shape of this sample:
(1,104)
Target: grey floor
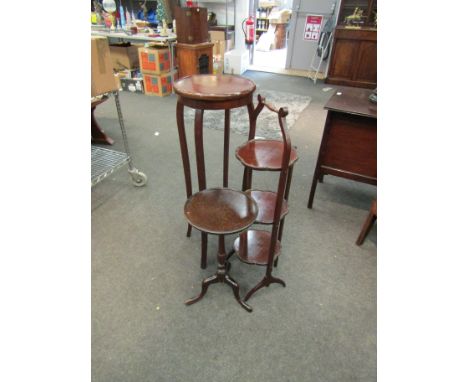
(321,327)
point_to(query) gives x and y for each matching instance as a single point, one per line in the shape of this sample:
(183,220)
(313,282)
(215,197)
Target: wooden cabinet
(349,142)
(354,58)
(354,52)
(194,58)
(192,25)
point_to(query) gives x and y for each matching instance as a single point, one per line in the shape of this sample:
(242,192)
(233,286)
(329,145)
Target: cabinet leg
(312,190)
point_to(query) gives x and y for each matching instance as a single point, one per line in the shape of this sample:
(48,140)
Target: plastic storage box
(236,61)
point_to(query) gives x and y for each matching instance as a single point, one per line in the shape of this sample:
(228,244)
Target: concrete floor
(321,327)
(273,59)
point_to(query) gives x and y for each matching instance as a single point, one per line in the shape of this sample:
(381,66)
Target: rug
(267,121)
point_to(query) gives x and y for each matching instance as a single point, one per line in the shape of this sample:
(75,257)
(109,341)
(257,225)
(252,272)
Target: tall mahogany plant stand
(214,92)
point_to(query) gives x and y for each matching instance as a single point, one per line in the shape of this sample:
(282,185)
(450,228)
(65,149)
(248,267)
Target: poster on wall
(313,24)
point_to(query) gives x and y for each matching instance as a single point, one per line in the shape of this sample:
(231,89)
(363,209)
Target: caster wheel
(139,178)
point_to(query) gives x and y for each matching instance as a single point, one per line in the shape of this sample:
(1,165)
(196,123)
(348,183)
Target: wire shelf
(104,162)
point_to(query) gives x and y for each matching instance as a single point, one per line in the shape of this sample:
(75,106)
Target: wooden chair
(266,155)
(371,218)
(259,247)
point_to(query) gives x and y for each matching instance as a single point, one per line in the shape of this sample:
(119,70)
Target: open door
(272,23)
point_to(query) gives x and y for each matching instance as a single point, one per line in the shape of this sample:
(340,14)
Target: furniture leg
(312,189)
(261,284)
(286,197)
(171,61)
(201,173)
(184,153)
(199,149)
(247,179)
(265,282)
(230,254)
(189,230)
(221,276)
(244,179)
(204,246)
(97,134)
(205,284)
(280,235)
(252,120)
(227,129)
(371,217)
(318,172)
(288,182)
(235,289)
(320,179)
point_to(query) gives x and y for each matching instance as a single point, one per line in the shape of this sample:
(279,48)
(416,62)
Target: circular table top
(220,211)
(211,87)
(263,154)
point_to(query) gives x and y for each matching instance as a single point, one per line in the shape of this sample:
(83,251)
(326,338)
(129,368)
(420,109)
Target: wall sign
(313,24)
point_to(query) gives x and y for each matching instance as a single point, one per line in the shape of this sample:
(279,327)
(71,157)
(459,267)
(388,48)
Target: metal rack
(104,161)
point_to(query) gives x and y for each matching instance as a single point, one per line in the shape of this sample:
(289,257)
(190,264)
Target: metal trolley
(104,161)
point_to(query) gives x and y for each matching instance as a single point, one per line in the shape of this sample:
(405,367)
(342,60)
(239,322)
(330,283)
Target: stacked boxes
(154,60)
(158,85)
(126,67)
(155,66)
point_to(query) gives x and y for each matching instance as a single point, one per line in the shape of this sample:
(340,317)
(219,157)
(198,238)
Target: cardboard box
(236,61)
(158,85)
(129,73)
(134,85)
(102,75)
(154,60)
(218,64)
(219,48)
(280,17)
(124,56)
(226,37)
(217,36)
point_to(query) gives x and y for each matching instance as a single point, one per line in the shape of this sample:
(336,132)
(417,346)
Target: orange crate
(154,60)
(158,85)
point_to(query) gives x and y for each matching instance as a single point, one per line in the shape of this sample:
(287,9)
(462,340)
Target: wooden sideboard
(354,58)
(349,142)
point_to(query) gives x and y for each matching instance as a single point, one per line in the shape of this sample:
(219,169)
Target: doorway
(272,20)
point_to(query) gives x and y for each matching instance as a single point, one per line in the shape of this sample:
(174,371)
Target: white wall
(220,9)
(242,12)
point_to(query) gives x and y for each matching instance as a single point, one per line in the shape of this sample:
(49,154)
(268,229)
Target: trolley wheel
(139,178)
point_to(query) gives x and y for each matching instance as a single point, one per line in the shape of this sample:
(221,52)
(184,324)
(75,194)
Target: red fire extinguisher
(249,30)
